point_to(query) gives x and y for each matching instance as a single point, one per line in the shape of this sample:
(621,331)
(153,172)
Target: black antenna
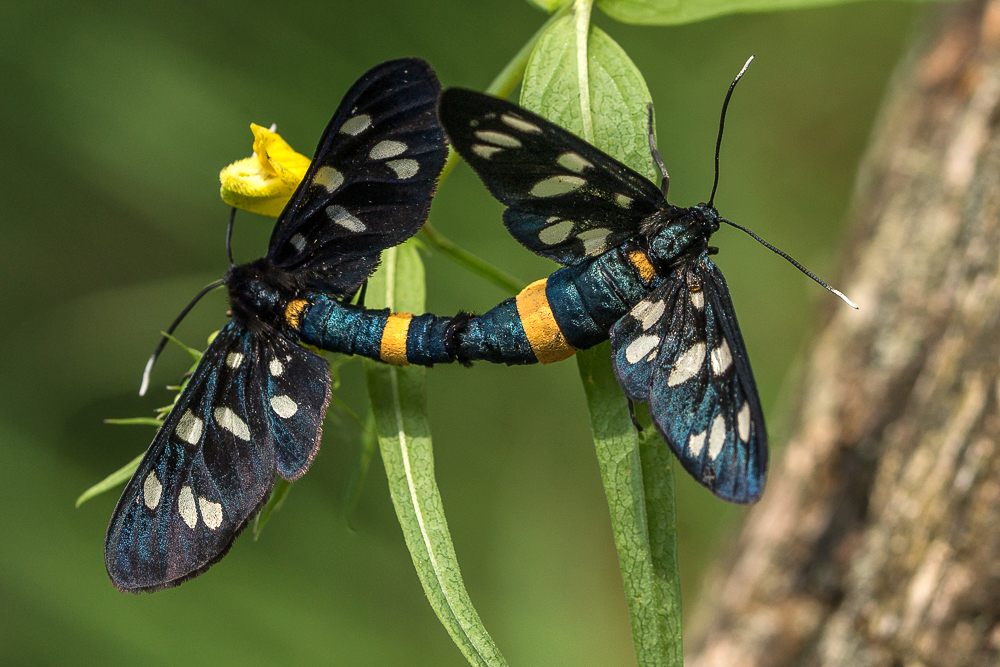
(794,263)
(722,124)
(229,237)
(163,341)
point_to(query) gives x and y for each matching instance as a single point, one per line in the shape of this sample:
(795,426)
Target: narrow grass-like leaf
(581,79)
(119,476)
(672,12)
(274,503)
(195,354)
(135,421)
(549,5)
(398,396)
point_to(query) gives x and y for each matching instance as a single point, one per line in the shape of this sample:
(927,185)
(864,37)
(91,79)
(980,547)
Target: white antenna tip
(145,376)
(844,297)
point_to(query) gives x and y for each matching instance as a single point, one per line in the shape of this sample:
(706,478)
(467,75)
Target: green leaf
(672,12)
(274,503)
(116,478)
(639,483)
(603,101)
(398,396)
(580,78)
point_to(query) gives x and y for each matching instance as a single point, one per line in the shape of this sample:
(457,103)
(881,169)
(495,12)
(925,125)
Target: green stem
(470,262)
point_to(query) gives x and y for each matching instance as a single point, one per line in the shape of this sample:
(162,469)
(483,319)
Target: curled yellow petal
(264,182)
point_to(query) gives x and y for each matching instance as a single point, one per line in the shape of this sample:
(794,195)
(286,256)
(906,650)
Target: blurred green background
(118,118)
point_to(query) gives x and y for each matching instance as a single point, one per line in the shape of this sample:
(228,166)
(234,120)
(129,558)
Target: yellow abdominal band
(293,313)
(642,264)
(544,336)
(393,349)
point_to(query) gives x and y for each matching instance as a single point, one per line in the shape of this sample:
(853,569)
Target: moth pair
(636,269)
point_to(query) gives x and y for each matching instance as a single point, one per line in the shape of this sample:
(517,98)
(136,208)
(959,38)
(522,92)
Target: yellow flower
(264,182)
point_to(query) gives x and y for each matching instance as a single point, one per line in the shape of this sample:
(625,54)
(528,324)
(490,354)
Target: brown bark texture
(877,541)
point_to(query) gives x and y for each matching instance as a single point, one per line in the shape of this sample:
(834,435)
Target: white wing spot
(329,178)
(151,490)
(649,315)
(556,185)
(387,148)
(574,162)
(404,168)
(210,512)
(640,347)
(357,125)
(484,151)
(298,241)
(717,438)
(698,299)
(556,233)
(722,358)
(186,508)
(189,428)
(595,241)
(623,201)
(519,123)
(234,359)
(284,406)
(228,420)
(696,443)
(687,365)
(743,422)
(276,368)
(652,355)
(498,139)
(339,215)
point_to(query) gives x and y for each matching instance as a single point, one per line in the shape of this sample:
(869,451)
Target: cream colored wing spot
(284,406)
(230,421)
(151,491)
(210,512)
(498,139)
(687,365)
(640,347)
(717,438)
(186,507)
(743,422)
(387,149)
(519,123)
(356,125)
(189,428)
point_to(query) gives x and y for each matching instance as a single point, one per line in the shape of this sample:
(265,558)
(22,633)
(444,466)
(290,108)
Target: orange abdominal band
(544,336)
(293,312)
(393,350)
(642,264)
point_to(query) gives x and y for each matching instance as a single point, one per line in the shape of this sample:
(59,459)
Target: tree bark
(877,541)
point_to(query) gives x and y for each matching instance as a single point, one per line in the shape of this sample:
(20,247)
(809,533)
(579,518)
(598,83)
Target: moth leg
(229,236)
(631,413)
(665,182)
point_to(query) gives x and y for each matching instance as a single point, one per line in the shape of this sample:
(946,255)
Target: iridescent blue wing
(681,350)
(254,405)
(370,184)
(566,199)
